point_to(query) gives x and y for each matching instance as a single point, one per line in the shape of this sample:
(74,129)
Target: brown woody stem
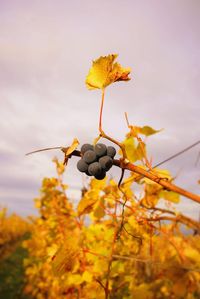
(144,173)
(166,184)
(180,218)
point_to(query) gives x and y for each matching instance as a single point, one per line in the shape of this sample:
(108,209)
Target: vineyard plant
(124,239)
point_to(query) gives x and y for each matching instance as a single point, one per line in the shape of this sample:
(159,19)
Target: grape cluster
(96,160)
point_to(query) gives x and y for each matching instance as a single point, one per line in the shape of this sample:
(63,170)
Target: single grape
(100,176)
(82,165)
(88,173)
(111,151)
(85,147)
(89,156)
(106,162)
(100,149)
(95,169)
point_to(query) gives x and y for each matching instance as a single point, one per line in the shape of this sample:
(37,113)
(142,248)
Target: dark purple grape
(100,149)
(82,166)
(88,173)
(111,151)
(89,156)
(95,169)
(106,162)
(100,176)
(85,147)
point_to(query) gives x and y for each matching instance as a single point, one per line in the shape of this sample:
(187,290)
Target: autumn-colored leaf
(142,291)
(134,152)
(145,130)
(170,195)
(87,276)
(99,209)
(105,72)
(151,198)
(98,184)
(75,279)
(65,258)
(180,287)
(130,147)
(60,167)
(72,147)
(86,204)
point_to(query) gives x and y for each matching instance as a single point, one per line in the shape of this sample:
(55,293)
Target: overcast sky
(46,49)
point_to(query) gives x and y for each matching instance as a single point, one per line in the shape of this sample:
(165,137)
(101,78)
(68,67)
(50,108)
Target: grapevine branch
(178,218)
(166,184)
(134,258)
(121,163)
(134,168)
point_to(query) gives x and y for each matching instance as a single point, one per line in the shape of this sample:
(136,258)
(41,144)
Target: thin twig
(164,183)
(44,149)
(144,173)
(197,160)
(177,154)
(179,218)
(121,178)
(134,258)
(101,284)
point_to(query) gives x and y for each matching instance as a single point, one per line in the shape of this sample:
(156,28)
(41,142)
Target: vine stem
(144,173)
(102,133)
(101,110)
(164,183)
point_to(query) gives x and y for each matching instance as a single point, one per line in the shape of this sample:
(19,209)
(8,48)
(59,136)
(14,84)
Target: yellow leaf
(162,173)
(140,152)
(147,131)
(75,279)
(192,254)
(99,209)
(59,166)
(150,201)
(87,276)
(72,147)
(180,287)
(129,148)
(170,195)
(98,185)
(86,204)
(134,131)
(52,250)
(142,291)
(65,258)
(133,152)
(104,72)
(38,203)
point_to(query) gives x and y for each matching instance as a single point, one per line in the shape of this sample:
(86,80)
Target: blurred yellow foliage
(69,254)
